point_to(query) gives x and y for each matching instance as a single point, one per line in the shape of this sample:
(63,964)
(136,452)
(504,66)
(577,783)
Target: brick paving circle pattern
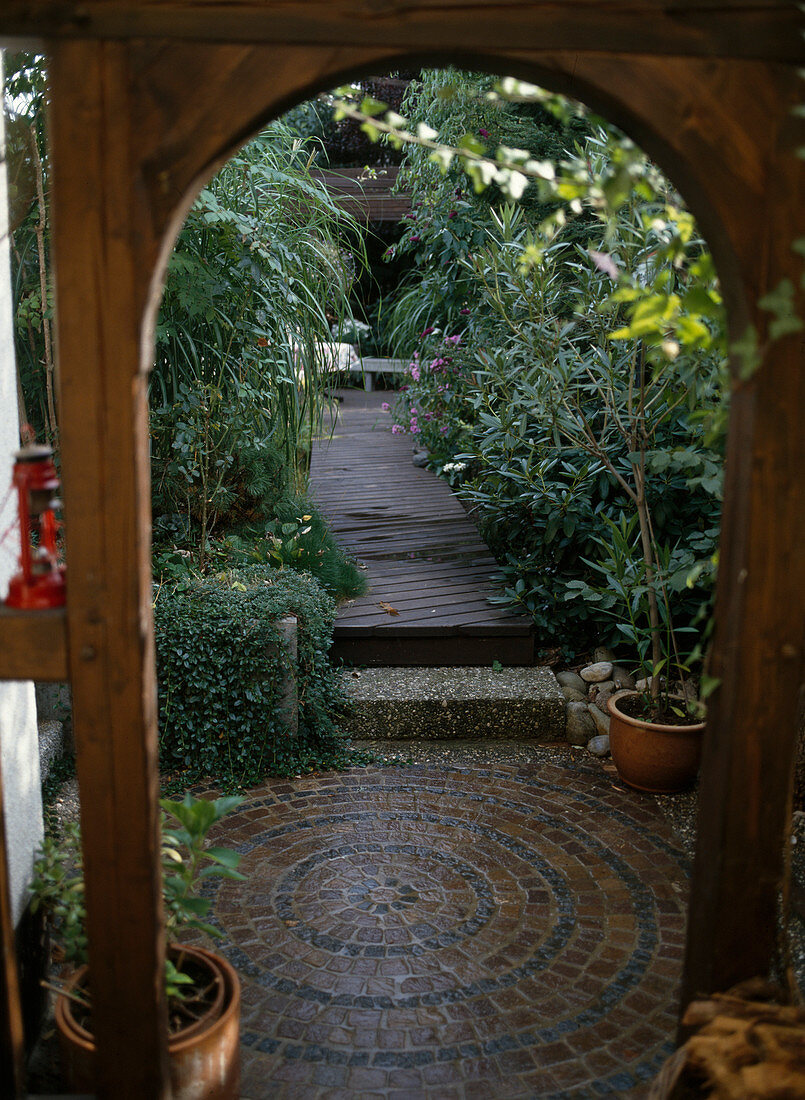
(450,932)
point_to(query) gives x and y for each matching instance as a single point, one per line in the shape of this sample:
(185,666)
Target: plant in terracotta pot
(203,990)
(655,732)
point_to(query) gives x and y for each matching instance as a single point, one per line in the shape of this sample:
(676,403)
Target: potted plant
(655,731)
(203,990)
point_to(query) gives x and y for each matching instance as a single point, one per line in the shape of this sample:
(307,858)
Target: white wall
(19,748)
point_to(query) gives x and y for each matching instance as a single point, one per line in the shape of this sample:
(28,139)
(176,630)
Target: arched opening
(156,164)
(380,886)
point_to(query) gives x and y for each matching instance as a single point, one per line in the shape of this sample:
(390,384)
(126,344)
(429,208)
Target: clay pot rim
(180,1040)
(641,723)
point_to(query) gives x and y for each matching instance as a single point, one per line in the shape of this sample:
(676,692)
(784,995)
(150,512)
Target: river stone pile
(586,693)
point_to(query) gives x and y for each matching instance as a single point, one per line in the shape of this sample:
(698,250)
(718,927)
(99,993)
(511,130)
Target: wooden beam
(740,28)
(12,1040)
(33,645)
(759,645)
(98,221)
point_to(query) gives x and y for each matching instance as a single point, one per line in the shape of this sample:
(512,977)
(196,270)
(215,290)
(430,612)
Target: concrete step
(456,703)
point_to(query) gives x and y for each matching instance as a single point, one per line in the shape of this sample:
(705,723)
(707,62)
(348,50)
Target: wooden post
(759,657)
(104,446)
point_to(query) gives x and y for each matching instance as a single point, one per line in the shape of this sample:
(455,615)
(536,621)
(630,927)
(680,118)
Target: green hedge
(219,661)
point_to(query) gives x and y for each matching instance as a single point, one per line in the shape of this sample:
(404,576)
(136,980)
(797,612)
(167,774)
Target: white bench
(371,367)
(339,358)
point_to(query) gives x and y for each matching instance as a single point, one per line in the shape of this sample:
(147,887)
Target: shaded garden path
(423,555)
(502,924)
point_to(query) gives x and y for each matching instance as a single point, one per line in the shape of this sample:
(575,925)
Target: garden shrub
(220,668)
(529,408)
(297,537)
(450,219)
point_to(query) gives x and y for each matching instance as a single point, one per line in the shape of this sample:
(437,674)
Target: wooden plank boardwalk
(423,555)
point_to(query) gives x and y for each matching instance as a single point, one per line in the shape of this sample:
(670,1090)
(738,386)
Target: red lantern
(40,581)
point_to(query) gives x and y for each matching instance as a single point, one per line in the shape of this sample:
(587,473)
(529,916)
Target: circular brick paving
(454,932)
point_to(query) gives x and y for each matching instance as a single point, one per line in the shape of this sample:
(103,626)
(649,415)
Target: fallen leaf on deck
(388,608)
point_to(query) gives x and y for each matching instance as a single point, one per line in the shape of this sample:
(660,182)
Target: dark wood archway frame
(149,97)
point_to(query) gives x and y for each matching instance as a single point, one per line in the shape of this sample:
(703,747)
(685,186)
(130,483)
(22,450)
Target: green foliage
(297,538)
(211,459)
(623,591)
(188,861)
(32,285)
(450,219)
(586,383)
(262,269)
(435,399)
(57,887)
(263,263)
(221,664)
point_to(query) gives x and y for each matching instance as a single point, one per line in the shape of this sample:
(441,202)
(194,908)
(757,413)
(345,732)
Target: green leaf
(224,856)
(198,906)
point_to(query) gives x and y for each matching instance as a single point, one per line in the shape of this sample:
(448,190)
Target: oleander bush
(567,362)
(221,665)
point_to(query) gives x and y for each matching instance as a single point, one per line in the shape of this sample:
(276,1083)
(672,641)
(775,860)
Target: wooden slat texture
(12,1039)
(422,553)
(33,645)
(98,224)
(724,28)
(366,194)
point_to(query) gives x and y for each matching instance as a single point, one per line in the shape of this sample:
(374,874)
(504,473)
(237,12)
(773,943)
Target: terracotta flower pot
(651,757)
(204,1057)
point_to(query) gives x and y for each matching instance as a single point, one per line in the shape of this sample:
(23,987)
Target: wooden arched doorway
(149,97)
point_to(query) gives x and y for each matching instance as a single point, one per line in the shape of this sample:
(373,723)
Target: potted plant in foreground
(203,990)
(655,732)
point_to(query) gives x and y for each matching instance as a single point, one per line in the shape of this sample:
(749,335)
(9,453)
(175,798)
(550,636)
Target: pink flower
(415,373)
(415,430)
(429,416)
(483,133)
(426,332)
(444,429)
(396,429)
(463,311)
(385,407)
(452,214)
(453,339)
(413,412)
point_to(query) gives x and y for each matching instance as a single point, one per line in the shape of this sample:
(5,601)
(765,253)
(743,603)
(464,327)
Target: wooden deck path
(423,555)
